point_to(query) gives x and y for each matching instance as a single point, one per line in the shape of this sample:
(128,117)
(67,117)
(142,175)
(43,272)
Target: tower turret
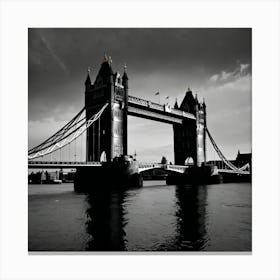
(176,106)
(88,80)
(189,103)
(125,77)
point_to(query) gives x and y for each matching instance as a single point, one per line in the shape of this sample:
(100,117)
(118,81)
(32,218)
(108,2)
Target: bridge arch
(103,157)
(189,161)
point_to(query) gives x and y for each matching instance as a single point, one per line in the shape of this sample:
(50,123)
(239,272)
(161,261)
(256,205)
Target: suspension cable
(220,154)
(75,142)
(59,132)
(81,147)
(93,118)
(66,139)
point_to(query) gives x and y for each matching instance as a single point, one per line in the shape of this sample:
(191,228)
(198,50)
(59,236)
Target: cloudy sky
(214,63)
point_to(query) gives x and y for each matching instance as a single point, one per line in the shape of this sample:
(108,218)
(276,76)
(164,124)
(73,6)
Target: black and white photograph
(139,139)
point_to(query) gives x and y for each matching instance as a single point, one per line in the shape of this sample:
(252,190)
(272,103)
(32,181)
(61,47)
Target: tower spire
(105,58)
(124,77)
(176,106)
(88,80)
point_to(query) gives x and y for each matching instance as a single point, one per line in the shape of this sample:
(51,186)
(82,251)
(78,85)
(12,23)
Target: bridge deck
(142,166)
(60,164)
(146,109)
(241,172)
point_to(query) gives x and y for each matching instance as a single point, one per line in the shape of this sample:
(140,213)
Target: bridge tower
(107,137)
(190,137)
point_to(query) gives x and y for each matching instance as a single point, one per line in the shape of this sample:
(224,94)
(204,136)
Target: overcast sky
(214,63)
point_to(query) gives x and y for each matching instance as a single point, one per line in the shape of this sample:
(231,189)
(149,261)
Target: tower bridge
(104,122)
(109,134)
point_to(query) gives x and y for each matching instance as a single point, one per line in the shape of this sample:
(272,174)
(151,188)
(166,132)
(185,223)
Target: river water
(156,217)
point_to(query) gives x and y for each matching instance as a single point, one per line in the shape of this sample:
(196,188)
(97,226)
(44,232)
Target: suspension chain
(220,154)
(61,139)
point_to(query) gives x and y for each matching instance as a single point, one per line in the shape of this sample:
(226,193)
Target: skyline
(214,63)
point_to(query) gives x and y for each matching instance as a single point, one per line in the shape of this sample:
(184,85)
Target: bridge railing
(177,168)
(156,106)
(240,172)
(146,103)
(170,167)
(62,163)
(148,164)
(137,100)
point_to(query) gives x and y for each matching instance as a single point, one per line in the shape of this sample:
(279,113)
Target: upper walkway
(139,107)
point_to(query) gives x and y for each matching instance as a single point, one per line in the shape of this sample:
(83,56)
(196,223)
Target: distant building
(240,161)
(243,159)
(220,164)
(154,174)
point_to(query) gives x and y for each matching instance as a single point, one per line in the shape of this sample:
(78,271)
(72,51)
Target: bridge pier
(121,173)
(234,177)
(192,175)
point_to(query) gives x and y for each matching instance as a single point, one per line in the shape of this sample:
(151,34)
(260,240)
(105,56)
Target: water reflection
(106,221)
(153,218)
(192,218)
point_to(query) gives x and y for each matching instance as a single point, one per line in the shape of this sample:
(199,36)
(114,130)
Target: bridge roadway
(60,164)
(75,164)
(229,171)
(142,108)
(142,166)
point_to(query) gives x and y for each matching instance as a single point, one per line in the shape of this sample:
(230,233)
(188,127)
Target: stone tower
(107,137)
(190,137)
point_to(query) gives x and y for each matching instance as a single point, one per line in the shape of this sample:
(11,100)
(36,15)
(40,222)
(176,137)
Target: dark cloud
(58,55)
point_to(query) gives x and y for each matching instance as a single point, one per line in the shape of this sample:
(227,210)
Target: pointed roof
(203,103)
(124,77)
(176,106)
(88,80)
(105,58)
(244,157)
(188,102)
(106,67)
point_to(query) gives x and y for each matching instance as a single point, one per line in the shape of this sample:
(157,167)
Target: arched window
(189,161)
